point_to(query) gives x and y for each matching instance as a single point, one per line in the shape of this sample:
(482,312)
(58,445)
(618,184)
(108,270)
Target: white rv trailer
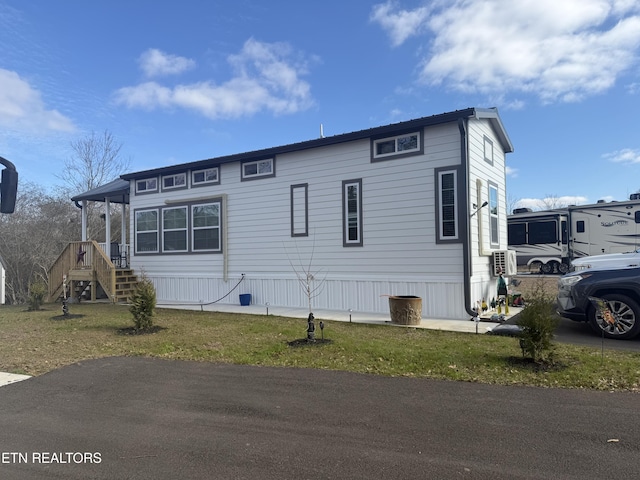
(553,238)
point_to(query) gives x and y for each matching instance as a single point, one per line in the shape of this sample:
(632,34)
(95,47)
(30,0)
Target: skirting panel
(440,300)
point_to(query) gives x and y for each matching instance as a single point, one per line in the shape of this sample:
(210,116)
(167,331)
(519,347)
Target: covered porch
(97,266)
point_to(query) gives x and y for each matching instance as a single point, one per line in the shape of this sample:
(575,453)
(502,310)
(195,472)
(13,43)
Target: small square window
(147,185)
(391,147)
(258,169)
(206,176)
(179,180)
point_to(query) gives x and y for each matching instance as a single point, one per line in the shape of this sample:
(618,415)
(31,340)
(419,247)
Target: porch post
(83,214)
(123,228)
(107,226)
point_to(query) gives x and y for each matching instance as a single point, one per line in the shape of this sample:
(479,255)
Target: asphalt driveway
(141,418)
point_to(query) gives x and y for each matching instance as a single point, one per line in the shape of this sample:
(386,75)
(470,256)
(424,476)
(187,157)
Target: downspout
(466,235)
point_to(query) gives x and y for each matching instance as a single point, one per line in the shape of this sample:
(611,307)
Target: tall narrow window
(352,212)
(146,231)
(447,192)
(488,151)
(299,210)
(174,229)
(205,221)
(493,213)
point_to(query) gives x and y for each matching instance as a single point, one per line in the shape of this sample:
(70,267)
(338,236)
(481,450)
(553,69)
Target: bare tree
(33,237)
(96,160)
(550,202)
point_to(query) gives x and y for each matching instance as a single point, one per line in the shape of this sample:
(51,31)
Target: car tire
(627,313)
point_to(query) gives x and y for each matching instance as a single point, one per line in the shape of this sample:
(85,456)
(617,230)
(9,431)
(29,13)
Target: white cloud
(267,76)
(401,24)
(626,155)
(22,107)
(511,172)
(557,50)
(154,62)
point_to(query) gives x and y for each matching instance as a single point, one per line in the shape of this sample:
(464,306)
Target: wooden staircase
(126,282)
(87,270)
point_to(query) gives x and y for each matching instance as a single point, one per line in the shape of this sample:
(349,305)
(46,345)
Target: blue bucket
(245,299)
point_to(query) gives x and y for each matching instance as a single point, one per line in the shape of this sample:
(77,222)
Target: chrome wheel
(625,323)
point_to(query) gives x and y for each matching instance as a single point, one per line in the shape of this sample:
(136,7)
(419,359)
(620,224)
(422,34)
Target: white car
(610,260)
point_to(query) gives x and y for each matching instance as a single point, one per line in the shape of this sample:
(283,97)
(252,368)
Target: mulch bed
(303,342)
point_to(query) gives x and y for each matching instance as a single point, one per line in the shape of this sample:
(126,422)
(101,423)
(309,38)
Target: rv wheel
(547,268)
(563,268)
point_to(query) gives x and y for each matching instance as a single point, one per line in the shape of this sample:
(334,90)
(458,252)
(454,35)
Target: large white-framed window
(174,229)
(177,180)
(146,231)
(258,169)
(447,204)
(399,145)
(493,214)
(147,185)
(300,210)
(206,176)
(352,213)
(205,227)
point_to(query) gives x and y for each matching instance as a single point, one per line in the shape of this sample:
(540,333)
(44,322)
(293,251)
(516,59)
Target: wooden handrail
(80,256)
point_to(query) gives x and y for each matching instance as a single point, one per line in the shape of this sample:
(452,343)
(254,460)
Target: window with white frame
(493,214)
(401,144)
(146,227)
(299,210)
(147,185)
(352,213)
(178,180)
(447,192)
(174,229)
(205,176)
(258,169)
(488,150)
(205,227)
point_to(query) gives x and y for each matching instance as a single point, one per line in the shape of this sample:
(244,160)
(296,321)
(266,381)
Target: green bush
(538,321)
(143,303)
(37,294)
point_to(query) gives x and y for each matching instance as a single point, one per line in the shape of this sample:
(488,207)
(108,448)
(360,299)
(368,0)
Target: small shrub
(538,321)
(143,303)
(37,294)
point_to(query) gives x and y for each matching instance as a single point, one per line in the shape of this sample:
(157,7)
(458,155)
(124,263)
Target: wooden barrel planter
(405,309)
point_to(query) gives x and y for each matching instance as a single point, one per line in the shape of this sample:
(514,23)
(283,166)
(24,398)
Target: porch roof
(117,191)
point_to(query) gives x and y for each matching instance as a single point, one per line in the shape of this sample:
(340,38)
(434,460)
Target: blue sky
(183,81)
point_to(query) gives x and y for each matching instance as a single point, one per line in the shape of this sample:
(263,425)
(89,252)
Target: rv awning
(116,191)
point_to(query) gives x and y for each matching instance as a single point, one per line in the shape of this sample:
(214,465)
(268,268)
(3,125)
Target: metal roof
(388,130)
(117,191)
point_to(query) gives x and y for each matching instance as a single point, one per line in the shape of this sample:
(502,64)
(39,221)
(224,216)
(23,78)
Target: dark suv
(619,287)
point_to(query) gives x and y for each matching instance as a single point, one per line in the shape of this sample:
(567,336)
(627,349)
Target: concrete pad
(465,326)
(7,378)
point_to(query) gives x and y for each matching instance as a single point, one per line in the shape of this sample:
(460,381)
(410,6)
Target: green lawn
(34,342)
